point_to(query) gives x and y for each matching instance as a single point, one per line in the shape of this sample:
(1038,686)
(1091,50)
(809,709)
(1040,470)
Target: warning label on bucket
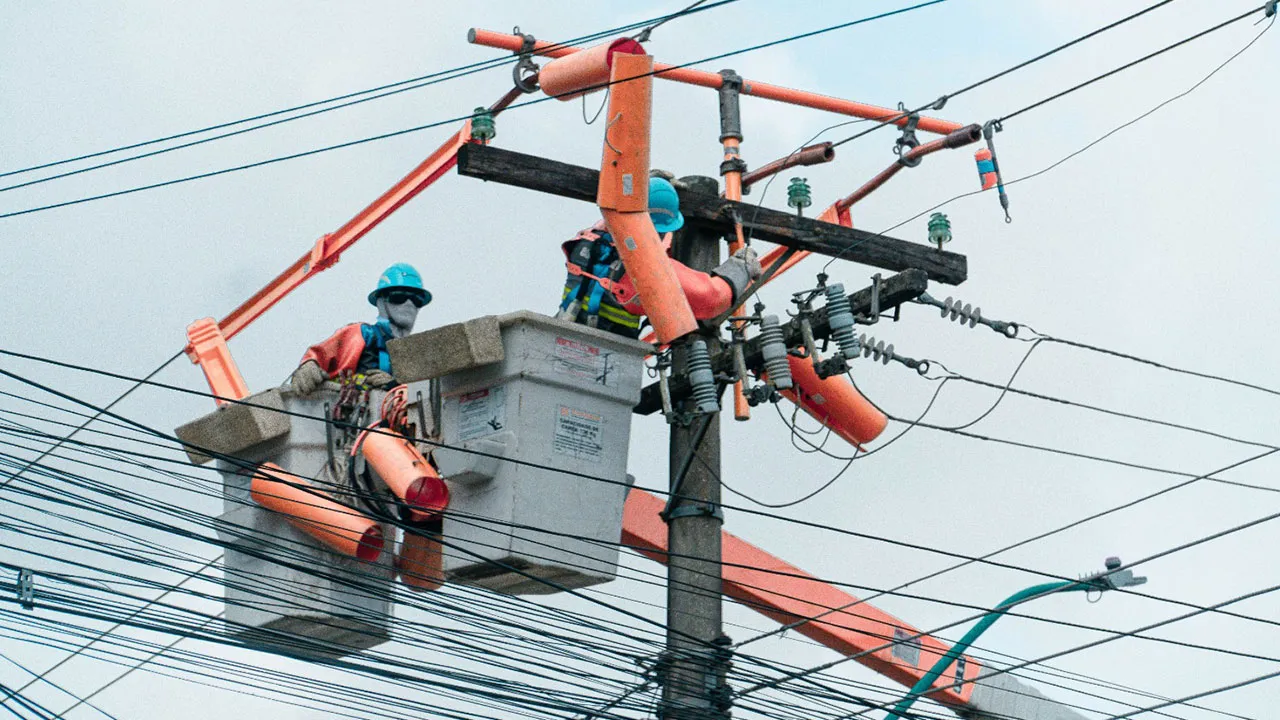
(585,361)
(482,412)
(578,434)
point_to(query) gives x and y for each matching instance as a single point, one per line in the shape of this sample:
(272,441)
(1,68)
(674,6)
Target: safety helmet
(401,276)
(664,206)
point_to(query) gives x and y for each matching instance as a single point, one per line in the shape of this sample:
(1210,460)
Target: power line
(937,104)
(452,72)
(1090,145)
(460,118)
(1128,65)
(796,521)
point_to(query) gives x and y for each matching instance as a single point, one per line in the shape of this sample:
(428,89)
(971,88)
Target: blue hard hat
(664,206)
(401,276)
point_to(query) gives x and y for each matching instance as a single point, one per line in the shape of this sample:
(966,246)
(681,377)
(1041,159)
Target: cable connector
(26,589)
(988,132)
(908,140)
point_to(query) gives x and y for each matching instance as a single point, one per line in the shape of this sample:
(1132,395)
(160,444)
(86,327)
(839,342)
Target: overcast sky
(1160,241)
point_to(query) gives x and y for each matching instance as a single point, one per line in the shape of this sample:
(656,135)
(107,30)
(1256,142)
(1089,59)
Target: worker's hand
(739,270)
(379,380)
(308,377)
(748,256)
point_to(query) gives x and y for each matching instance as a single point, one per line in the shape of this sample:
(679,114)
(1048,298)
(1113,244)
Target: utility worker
(360,347)
(598,293)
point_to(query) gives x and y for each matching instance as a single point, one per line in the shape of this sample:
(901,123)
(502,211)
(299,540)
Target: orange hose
(316,513)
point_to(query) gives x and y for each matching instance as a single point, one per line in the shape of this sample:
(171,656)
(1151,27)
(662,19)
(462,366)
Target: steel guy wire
(476,66)
(460,118)
(797,521)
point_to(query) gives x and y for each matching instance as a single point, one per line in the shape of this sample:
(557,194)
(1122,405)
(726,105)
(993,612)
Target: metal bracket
(705,509)
(873,314)
(27,589)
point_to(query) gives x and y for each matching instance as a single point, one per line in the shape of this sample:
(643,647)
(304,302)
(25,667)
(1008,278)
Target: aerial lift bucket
(315,513)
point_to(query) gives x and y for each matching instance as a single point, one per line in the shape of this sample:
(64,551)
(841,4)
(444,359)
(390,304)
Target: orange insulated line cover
(315,513)
(407,473)
(582,73)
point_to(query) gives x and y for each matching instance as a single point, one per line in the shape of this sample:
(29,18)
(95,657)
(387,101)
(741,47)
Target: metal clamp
(525,73)
(701,509)
(908,140)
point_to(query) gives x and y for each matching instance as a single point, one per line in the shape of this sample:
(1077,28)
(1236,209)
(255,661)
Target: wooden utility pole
(695,664)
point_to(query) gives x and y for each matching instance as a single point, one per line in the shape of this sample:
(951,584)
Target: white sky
(1160,242)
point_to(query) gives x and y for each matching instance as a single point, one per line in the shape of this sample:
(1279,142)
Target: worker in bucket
(361,348)
(598,293)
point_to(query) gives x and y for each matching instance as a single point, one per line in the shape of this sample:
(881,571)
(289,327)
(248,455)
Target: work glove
(308,377)
(378,380)
(739,270)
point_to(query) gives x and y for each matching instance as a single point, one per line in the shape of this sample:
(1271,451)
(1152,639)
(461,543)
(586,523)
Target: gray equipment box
(283,587)
(535,454)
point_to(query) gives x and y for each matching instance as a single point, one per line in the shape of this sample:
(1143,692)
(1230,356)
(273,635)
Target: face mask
(401,317)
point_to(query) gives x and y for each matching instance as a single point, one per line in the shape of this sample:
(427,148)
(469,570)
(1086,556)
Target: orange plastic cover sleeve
(407,473)
(835,403)
(573,76)
(785,593)
(315,513)
(513,43)
(652,273)
(420,562)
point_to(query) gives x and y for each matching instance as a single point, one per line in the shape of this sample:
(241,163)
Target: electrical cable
(1088,146)
(1128,65)
(797,521)
(463,69)
(937,104)
(460,118)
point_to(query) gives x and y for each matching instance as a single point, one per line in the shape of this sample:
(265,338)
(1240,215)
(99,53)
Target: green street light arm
(1112,579)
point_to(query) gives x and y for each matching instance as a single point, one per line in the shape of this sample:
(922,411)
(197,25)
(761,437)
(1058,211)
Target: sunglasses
(399,298)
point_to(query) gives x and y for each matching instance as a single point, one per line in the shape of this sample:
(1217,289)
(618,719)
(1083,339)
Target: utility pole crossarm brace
(579,183)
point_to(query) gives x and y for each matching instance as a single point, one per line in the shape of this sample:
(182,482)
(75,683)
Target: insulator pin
(774,351)
(701,379)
